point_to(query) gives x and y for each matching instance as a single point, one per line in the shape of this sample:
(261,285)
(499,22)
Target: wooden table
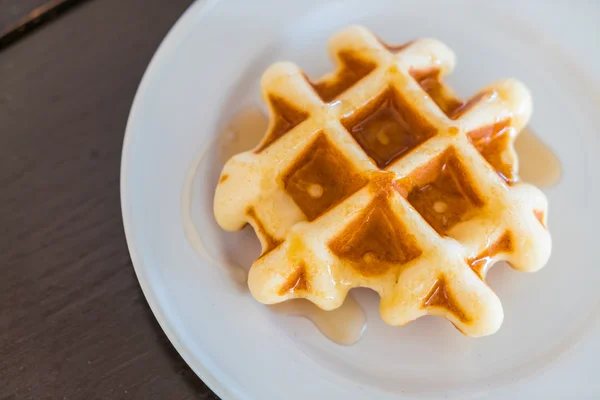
(73,321)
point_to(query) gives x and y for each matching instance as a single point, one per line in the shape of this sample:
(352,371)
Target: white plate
(208,69)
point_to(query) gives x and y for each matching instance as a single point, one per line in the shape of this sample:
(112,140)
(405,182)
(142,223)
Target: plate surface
(207,71)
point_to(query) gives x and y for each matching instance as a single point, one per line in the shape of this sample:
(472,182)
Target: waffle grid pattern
(366,179)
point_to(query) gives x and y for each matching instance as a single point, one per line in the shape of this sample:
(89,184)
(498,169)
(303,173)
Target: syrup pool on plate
(538,164)
(344,325)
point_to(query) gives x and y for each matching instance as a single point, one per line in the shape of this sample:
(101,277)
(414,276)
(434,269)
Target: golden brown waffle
(378,176)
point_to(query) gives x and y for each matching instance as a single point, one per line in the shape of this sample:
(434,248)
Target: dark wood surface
(73,321)
(18,17)
(13,11)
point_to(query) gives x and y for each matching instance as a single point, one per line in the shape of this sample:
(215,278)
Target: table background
(73,321)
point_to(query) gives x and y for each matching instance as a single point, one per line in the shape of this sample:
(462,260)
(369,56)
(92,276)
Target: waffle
(379,176)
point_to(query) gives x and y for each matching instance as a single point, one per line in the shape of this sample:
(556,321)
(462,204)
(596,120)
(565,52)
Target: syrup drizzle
(538,164)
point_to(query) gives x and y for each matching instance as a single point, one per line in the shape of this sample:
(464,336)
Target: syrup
(538,164)
(344,325)
(243,133)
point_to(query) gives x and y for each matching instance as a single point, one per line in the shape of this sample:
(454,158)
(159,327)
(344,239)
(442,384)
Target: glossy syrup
(236,272)
(344,325)
(242,133)
(538,164)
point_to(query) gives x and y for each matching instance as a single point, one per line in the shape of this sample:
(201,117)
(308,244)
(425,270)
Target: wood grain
(73,321)
(12,11)
(19,17)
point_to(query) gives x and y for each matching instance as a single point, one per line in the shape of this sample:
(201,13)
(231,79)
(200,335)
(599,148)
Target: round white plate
(208,69)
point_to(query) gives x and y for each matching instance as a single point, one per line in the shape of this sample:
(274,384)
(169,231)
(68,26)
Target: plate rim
(178,31)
